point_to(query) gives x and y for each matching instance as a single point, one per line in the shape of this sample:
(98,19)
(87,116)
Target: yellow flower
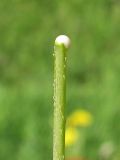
(80,118)
(71,135)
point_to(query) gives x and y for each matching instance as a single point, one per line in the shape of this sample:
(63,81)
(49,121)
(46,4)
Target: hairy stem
(59,101)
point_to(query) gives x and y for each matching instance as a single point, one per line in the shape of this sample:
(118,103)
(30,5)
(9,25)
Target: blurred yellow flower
(71,135)
(80,118)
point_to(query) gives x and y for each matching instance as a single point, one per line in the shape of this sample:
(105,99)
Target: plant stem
(59,100)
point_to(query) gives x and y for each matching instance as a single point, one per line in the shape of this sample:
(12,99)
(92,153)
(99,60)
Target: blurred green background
(28,29)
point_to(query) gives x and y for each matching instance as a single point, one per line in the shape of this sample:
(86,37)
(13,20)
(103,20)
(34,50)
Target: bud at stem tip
(63,39)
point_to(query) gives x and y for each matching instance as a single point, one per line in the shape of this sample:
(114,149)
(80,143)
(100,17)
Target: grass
(27,33)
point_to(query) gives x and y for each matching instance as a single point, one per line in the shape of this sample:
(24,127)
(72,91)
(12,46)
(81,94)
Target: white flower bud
(63,39)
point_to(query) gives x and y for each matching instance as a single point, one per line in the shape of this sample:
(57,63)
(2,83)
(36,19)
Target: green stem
(59,101)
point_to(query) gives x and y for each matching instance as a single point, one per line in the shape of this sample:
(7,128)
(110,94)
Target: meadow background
(28,29)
